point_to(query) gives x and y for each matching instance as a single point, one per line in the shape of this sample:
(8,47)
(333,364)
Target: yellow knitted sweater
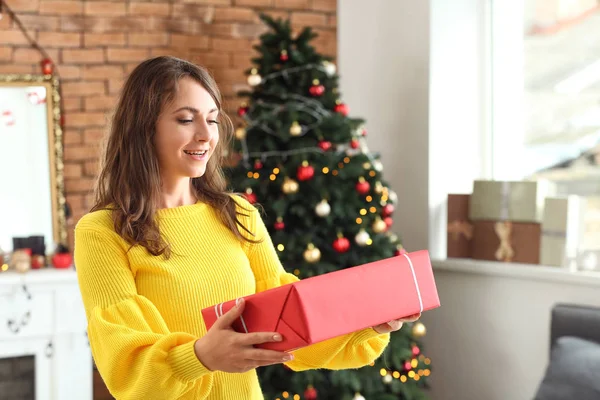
(144,314)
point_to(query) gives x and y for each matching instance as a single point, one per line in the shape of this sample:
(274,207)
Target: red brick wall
(96,43)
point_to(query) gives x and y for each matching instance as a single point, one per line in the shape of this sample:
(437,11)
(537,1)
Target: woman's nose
(202,132)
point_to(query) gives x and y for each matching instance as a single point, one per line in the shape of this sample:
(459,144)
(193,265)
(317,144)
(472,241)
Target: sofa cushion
(573,371)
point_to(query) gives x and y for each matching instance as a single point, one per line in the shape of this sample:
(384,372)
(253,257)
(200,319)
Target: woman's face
(186,132)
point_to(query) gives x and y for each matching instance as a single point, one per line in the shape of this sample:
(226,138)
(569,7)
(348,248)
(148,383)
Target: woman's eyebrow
(194,110)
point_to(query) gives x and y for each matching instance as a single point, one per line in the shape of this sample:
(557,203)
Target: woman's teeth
(195,153)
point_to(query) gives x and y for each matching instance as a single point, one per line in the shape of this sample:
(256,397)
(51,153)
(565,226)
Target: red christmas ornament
(62,260)
(387,210)
(310,393)
(279,224)
(251,197)
(258,164)
(325,145)
(38,261)
(388,221)
(341,108)
(305,171)
(407,366)
(416,350)
(364,132)
(242,110)
(341,244)
(47,66)
(354,143)
(284,56)
(363,187)
(316,89)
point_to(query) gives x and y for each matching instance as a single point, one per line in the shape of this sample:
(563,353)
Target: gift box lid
(517,201)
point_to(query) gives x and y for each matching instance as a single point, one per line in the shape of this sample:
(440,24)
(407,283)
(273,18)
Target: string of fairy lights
(357,146)
(411,372)
(307,105)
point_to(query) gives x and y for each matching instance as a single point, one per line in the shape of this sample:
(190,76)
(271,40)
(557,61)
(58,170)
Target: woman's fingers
(265,357)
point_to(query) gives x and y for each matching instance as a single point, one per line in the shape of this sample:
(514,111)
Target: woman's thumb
(230,316)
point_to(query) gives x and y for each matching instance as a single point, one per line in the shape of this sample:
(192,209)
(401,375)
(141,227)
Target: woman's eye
(185,121)
(213,122)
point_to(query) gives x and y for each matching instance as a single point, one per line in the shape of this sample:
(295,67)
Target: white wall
(490,338)
(383,57)
(460,81)
(416,71)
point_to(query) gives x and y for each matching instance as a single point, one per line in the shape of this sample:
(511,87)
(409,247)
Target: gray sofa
(573,372)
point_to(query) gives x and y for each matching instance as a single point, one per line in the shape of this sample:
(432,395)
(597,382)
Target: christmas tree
(326,203)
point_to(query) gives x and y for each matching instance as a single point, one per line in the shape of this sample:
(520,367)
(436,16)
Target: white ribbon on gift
(412,269)
(219,307)
(219,313)
(505,201)
(556,234)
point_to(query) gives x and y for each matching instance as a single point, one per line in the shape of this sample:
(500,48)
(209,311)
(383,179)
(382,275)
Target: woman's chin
(196,172)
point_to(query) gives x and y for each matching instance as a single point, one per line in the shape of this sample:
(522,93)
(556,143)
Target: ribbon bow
(505,252)
(456,228)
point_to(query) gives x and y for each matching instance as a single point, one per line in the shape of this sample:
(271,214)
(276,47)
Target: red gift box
(334,304)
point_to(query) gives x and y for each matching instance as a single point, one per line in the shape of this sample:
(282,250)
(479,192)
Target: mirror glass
(31,194)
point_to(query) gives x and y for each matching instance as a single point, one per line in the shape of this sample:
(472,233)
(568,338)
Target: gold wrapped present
(516,201)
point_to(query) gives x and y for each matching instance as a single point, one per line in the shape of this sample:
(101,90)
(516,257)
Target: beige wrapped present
(563,228)
(516,201)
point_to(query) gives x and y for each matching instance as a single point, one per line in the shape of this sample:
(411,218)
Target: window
(545,96)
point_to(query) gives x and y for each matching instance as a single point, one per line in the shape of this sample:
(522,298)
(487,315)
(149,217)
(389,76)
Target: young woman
(165,240)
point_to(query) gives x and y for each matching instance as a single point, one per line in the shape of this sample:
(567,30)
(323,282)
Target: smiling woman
(166,240)
(187,101)
(186,136)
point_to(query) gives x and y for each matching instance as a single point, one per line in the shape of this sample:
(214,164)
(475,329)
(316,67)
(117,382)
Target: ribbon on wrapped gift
(505,201)
(505,251)
(554,234)
(457,228)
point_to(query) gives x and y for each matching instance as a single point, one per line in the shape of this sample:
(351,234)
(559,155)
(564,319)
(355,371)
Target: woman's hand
(223,349)
(396,324)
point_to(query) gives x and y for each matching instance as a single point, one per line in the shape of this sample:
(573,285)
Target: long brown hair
(129,182)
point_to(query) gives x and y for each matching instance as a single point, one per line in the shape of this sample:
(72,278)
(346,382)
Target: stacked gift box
(515,221)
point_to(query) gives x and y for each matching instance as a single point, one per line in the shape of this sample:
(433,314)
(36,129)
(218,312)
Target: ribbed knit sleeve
(136,354)
(348,351)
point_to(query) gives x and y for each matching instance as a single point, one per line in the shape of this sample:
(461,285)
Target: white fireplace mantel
(41,314)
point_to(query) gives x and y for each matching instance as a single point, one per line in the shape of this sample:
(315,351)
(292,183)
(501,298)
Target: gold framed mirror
(32,199)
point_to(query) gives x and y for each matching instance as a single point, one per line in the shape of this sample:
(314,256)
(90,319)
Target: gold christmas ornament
(419,330)
(254,79)
(295,129)
(378,187)
(312,254)
(240,133)
(367,165)
(289,186)
(379,226)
